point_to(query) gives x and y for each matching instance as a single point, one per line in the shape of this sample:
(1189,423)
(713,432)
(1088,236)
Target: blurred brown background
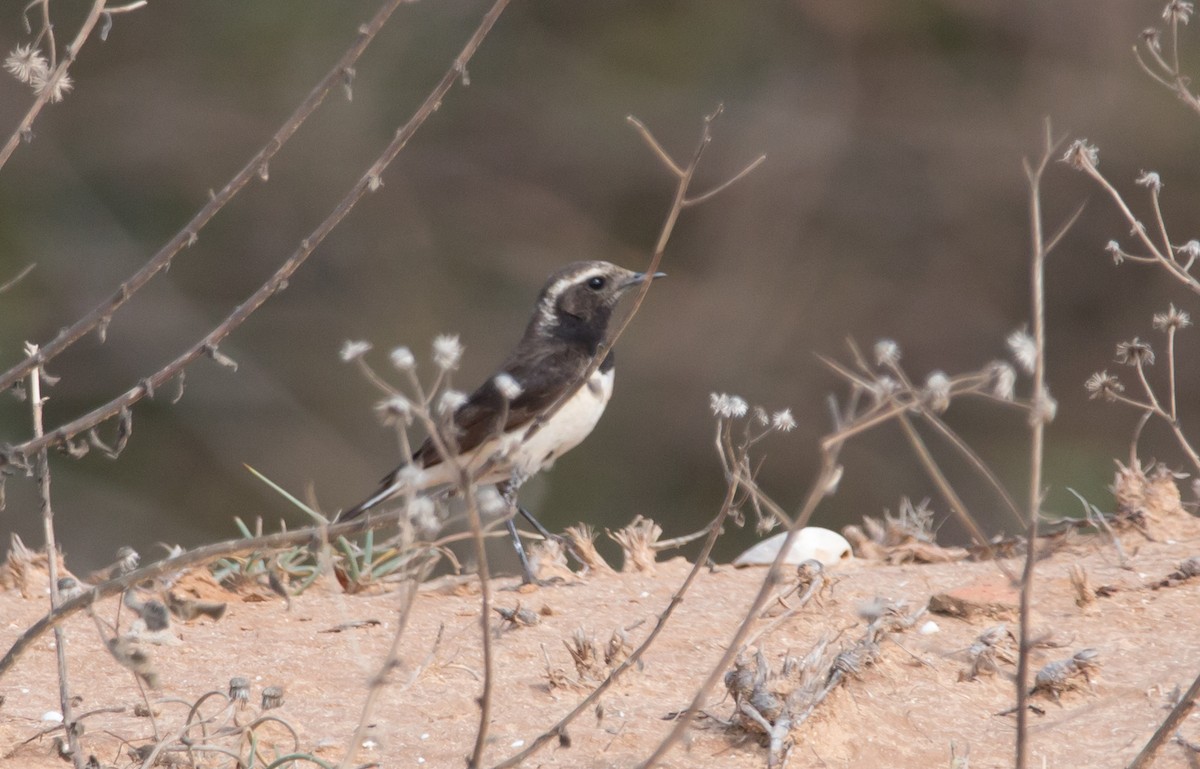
(892,204)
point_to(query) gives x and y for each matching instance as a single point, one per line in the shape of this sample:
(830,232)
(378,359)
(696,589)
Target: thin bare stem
(389,661)
(1037,428)
(976,461)
(957,506)
(60,636)
(1169,726)
(651,142)
(758,161)
(279,280)
(485,613)
(99,316)
(1162,225)
(1171,370)
(14,280)
(25,127)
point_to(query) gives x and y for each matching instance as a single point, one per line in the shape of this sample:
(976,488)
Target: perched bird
(536,407)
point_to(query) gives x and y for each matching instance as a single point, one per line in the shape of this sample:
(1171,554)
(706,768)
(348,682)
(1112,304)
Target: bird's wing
(542,382)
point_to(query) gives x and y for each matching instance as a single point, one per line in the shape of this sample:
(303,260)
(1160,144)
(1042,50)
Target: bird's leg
(566,543)
(527,575)
(508,492)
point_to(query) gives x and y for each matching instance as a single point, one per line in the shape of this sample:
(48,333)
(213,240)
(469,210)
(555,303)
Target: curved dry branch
(369,181)
(99,316)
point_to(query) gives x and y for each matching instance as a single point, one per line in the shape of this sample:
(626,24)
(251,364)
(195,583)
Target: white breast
(562,432)
(522,454)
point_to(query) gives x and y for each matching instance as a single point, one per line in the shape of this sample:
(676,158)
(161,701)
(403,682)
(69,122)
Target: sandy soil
(910,709)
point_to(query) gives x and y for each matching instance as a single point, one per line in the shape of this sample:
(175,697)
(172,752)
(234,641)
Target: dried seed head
(1150,179)
(1003,378)
(1191,250)
(1045,407)
(272,697)
(1081,155)
(410,476)
(783,421)
(239,689)
(395,410)
(26,63)
(887,353)
(883,388)
(61,87)
(1104,384)
(1024,349)
(491,502)
(728,406)
(423,515)
(447,351)
(1135,353)
(403,359)
(1178,11)
(1172,319)
(451,401)
(508,387)
(353,350)
(937,391)
(1114,250)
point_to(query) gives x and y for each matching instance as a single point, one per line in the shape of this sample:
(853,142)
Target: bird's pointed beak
(641,277)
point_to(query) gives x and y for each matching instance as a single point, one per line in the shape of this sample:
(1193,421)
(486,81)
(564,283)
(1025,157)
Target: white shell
(812,542)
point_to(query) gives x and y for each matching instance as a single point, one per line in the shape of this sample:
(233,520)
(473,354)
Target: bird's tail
(386,491)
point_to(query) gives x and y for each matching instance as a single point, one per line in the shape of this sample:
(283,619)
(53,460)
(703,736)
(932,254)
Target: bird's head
(578,300)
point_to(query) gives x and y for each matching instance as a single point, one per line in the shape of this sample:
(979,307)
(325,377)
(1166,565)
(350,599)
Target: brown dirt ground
(906,711)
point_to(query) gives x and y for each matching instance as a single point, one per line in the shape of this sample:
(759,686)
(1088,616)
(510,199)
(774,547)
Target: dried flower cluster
(27,64)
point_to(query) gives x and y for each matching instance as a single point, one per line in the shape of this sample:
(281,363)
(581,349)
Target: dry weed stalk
(60,637)
(907,537)
(582,540)
(638,542)
(773,704)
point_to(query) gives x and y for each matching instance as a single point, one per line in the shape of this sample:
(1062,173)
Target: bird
(536,407)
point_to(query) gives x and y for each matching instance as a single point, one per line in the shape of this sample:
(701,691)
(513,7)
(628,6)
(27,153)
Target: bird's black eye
(596,283)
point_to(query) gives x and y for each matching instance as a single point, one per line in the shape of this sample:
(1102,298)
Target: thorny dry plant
(773,704)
